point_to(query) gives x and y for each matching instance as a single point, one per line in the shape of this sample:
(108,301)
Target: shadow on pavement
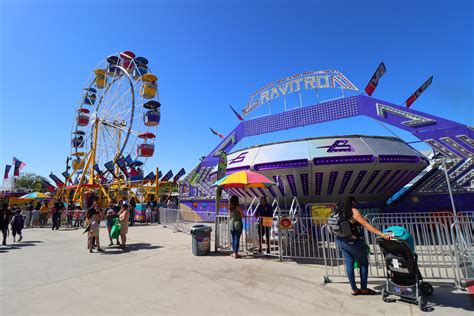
(444,295)
(115,250)
(19,245)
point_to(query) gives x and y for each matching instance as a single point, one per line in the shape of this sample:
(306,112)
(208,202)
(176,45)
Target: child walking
(17,224)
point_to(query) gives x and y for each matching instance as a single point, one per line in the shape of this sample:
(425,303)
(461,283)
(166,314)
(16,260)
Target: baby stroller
(403,276)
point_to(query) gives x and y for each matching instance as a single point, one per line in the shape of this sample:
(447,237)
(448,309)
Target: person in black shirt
(56,214)
(131,206)
(5,216)
(264,210)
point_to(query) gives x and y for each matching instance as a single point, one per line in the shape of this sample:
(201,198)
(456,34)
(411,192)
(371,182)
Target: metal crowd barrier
(180,220)
(444,244)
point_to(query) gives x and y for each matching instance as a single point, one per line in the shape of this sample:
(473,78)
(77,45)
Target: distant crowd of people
(14,218)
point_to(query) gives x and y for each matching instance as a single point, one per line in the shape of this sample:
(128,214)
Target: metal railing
(444,244)
(183,220)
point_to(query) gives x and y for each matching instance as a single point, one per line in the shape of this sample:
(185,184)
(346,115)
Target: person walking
(27,213)
(132,204)
(235,224)
(353,247)
(93,221)
(264,213)
(35,216)
(44,214)
(5,215)
(17,224)
(124,217)
(77,216)
(69,215)
(56,214)
(148,213)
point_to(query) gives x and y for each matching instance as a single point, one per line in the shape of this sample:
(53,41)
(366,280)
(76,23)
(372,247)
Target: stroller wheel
(426,289)
(384,295)
(422,303)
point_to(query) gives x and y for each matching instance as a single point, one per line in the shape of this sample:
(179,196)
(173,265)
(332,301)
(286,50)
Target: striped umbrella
(244,180)
(35,196)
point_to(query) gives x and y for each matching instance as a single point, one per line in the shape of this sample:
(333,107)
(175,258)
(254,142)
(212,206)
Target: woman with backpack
(352,244)
(235,224)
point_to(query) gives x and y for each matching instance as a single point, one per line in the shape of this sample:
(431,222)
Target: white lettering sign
(322,79)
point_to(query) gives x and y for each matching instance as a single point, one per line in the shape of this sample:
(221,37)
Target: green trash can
(201,235)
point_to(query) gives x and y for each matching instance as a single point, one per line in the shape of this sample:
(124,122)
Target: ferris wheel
(115,122)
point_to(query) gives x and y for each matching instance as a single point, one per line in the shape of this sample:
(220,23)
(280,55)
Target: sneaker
(111,244)
(20,239)
(4,243)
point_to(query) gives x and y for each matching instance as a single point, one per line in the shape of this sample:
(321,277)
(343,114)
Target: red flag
(418,92)
(236,113)
(48,185)
(17,164)
(374,81)
(216,133)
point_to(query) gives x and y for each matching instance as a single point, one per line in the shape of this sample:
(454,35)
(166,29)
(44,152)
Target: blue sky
(208,54)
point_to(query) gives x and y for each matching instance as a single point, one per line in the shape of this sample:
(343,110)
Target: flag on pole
(179,175)
(56,180)
(167,176)
(418,92)
(216,133)
(150,177)
(109,165)
(129,160)
(48,185)
(97,169)
(18,165)
(236,113)
(122,165)
(7,171)
(374,81)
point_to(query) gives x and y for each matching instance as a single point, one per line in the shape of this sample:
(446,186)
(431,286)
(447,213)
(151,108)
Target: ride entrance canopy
(114,127)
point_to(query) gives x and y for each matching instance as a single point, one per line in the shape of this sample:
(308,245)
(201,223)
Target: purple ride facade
(325,169)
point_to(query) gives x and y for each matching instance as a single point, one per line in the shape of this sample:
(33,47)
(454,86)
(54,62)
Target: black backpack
(339,224)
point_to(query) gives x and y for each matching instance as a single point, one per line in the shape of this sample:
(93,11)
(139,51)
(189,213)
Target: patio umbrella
(34,196)
(244,180)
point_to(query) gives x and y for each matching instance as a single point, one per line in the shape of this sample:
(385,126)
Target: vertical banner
(418,92)
(374,81)
(221,170)
(7,171)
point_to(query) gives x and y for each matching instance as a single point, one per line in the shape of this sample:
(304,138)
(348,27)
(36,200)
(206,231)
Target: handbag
(115,231)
